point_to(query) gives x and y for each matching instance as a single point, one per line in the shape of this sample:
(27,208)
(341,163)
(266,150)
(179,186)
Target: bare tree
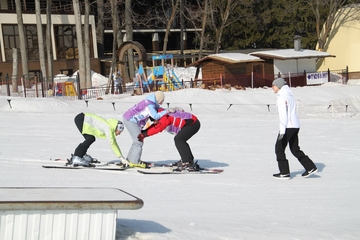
(174,11)
(221,17)
(14,71)
(182,28)
(23,52)
(87,45)
(40,38)
(116,21)
(129,37)
(100,27)
(48,40)
(80,44)
(116,40)
(323,26)
(128,20)
(203,27)
(196,14)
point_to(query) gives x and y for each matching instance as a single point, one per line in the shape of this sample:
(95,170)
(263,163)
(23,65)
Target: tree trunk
(129,37)
(172,17)
(48,43)
(40,39)
(218,34)
(116,21)
(182,26)
(87,45)
(15,71)
(23,52)
(118,36)
(100,27)
(116,28)
(203,26)
(80,44)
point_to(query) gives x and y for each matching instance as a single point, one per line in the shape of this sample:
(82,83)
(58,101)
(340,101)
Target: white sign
(316,78)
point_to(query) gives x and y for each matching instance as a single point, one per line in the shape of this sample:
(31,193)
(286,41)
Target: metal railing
(33,85)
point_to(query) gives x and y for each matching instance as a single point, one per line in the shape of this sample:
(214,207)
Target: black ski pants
(81,150)
(181,141)
(291,138)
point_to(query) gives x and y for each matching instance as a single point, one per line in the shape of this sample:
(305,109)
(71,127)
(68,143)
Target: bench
(62,212)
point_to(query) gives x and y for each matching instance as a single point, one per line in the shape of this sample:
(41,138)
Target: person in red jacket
(183,125)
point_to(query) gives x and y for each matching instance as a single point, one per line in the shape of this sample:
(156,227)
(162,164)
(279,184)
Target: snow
(292,53)
(235,57)
(229,58)
(238,133)
(98,80)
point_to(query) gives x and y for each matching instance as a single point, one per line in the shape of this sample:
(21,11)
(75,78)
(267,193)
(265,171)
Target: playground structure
(64,89)
(164,73)
(159,77)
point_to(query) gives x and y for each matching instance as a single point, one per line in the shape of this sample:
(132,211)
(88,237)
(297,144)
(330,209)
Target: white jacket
(286,106)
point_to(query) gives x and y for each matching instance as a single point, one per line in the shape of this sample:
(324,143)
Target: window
(65,41)
(66,44)
(32,44)
(12,40)
(68,72)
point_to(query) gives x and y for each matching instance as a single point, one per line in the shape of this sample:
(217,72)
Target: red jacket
(172,122)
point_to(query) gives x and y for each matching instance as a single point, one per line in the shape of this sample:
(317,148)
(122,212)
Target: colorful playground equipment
(64,89)
(162,75)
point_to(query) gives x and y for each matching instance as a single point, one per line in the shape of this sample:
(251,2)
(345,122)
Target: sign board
(316,78)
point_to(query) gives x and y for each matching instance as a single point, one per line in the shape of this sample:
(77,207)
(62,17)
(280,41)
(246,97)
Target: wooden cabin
(235,69)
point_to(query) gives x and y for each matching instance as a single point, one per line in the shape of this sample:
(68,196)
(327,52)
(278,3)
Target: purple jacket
(141,111)
(172,123)
(178,121)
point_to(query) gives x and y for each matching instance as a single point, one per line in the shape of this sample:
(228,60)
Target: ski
(110,165)
(152,168)
(67,160)
(170,170)
(109,168)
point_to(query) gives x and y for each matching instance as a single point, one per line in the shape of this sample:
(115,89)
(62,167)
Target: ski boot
(90,159)
(78,161)
(187,166)
(140,164)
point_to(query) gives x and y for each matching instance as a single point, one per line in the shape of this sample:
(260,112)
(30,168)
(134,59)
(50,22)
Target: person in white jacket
(289,129)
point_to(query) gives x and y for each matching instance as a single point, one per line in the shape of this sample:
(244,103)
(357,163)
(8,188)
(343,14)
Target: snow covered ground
(238,133)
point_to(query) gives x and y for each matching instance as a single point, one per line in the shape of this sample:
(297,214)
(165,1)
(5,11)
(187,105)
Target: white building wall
(294,66)
(343,41)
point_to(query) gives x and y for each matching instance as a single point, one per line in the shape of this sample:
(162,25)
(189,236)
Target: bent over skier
(92,126)
(135,119)
(182,124)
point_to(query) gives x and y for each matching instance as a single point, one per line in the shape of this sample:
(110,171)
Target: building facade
(63,38)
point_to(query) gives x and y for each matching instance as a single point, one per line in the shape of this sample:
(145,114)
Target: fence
(31,85)
(35,86)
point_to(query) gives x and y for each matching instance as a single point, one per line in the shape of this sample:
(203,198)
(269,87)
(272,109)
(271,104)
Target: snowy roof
(228,58)
(291,54)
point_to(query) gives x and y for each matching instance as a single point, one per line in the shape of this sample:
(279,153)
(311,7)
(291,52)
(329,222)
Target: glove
(124,162)
(171,110)
(141,136)
(280,137)
(179,109)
